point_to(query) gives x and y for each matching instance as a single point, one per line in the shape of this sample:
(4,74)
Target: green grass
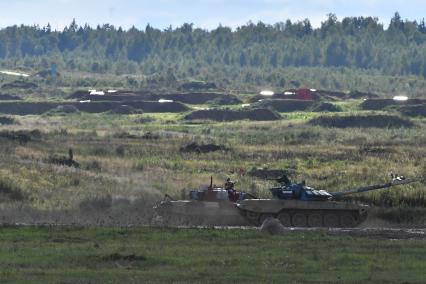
(102,255)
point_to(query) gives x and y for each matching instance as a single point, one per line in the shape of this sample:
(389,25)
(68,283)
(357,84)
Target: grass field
(112,255)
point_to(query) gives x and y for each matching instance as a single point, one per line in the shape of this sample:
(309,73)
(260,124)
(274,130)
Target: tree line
(353,42)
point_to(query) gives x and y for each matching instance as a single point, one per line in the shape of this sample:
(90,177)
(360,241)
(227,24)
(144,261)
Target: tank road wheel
(347,220)
(285,219)
(252,217)
(331,220)
(315,220)
(298,220)
(263,217)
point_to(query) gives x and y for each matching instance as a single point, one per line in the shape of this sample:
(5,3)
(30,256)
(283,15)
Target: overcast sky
(206,14)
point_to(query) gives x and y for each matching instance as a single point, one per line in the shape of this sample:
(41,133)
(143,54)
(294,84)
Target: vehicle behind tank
(207,206)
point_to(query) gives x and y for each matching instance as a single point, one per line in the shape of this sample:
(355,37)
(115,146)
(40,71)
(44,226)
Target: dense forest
(354,43)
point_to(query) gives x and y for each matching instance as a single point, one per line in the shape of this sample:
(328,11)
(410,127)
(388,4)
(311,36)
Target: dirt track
(370,233)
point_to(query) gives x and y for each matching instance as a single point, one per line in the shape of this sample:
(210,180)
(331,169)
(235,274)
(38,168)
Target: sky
(206,14)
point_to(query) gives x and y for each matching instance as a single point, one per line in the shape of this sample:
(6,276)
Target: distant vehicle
(207,205)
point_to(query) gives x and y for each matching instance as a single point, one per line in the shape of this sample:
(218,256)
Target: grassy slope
(95,255)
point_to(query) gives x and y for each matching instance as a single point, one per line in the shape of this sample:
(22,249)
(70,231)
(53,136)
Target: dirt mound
(130,96)
(4,120)
(18,84)
(378,104)
(296,94)
(79,94)
(159,107)
(258,98)
(9,191)
(285,105)
(266,173)
(22,136)
(124,257)
(64,160)
(414,110)
(225,100)
(327,94)
(197,85)
(361,95)
(192,98)
(378,151)
(63,109)
(202,148)
(379,121)
(272,226)
(124,109)
(145,106)
(7,97)
(118,96)
(259,114)
(25,108)
(325,107)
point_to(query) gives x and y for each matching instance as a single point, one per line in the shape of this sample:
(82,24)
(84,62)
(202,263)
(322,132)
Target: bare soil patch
(202,148)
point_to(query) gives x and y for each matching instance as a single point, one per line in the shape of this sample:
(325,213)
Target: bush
(7,120)
(9,191)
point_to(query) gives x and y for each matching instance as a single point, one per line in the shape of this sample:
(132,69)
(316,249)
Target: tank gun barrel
(394,182)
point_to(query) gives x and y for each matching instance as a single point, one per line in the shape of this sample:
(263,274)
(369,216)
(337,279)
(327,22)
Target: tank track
(310,218)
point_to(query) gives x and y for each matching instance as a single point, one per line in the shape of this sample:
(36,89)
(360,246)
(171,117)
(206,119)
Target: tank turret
(299,191)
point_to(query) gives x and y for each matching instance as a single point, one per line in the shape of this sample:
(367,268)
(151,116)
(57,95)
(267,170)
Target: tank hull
(298,213)
(199,213)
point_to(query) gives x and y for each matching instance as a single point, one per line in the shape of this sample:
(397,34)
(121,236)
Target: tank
(208,205)
(298,205)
